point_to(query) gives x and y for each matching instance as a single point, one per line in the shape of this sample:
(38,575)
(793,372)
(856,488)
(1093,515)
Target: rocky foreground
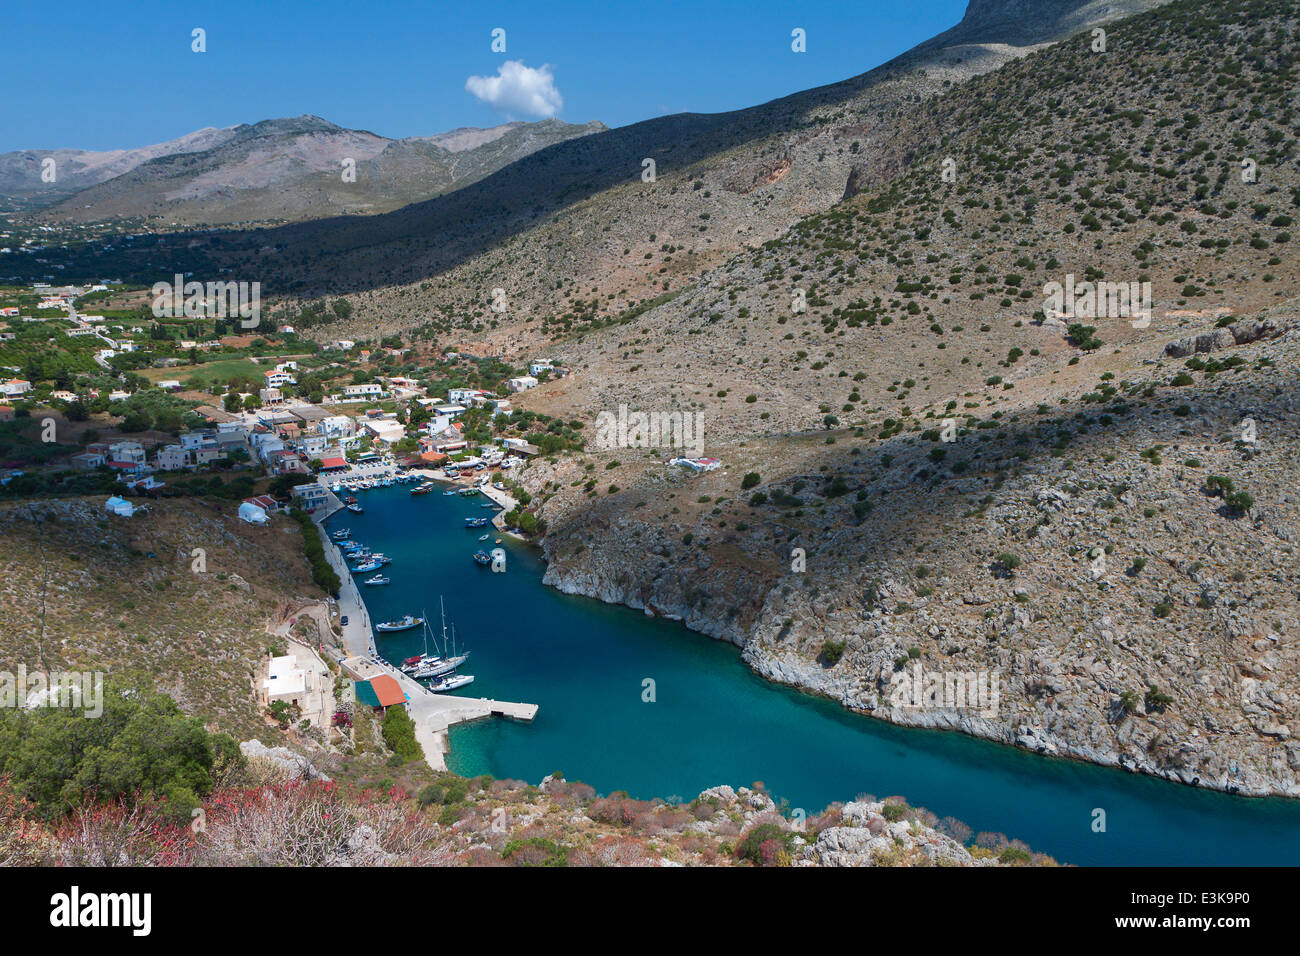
(296,817)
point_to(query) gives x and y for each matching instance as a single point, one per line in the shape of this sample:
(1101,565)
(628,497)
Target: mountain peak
(1027,22)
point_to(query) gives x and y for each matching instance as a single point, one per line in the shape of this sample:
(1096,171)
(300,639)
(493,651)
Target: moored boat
(404,623)
(482,557)
(451,682)
(377,580)
(355,509)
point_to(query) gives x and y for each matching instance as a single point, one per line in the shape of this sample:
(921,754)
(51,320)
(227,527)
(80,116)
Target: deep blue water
(714,722)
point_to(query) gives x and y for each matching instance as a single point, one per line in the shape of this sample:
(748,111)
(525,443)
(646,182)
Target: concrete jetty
(433,714)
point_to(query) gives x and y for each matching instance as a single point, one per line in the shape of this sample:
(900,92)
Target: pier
(433,714)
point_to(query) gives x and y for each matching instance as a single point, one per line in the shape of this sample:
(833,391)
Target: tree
(141,745)
(399,733)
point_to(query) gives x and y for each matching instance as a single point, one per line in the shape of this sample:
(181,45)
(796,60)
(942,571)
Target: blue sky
(106,75)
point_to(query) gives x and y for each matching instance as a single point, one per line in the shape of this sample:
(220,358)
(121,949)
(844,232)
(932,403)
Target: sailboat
(443,672)
(426,664)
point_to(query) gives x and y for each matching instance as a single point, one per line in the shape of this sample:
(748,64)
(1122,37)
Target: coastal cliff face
(1128,616)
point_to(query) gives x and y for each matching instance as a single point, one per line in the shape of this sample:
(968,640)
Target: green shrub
(399,734)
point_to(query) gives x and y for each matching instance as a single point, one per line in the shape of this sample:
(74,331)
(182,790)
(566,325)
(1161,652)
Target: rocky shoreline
(810,677)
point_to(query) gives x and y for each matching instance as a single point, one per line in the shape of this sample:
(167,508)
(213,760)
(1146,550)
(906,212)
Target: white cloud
(518,89)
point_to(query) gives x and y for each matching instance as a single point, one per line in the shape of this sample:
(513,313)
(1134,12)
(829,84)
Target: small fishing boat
(350,499)
(476,522)
(404,623)
(341,535)
(355,509)
(484,537)
(467,492)
(371,565)
(482,557)
(377,580)
(451,492)
(423,489)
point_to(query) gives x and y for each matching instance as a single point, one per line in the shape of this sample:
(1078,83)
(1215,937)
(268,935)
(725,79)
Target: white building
(370,390)
(252,514)
(521,383)
(465,396)
(385,430)
(119,506)
(285,681)
(127,452)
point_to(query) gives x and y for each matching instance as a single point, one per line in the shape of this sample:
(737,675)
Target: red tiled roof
(387,691)
(333,463)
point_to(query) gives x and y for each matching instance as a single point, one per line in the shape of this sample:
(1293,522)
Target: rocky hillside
(575,234)
(87,591)
(74,169)
(1100,510)
(283,170)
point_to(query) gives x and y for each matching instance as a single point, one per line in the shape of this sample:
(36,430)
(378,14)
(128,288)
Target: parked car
(345,620)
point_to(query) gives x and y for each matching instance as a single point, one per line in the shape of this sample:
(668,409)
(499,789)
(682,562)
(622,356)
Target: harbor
(628,702)
(434,714)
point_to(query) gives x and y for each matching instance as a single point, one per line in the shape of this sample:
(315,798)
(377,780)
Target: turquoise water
(714,722)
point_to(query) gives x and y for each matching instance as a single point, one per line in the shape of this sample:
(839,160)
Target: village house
(15,388)
(387,430)
(313,446)
(466,396)
(87,461)
(354,393)
(521,383)
(126,453)
(336,426)
(172,458)
(207,453)
(277,377)
(444,442)
(310,496)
